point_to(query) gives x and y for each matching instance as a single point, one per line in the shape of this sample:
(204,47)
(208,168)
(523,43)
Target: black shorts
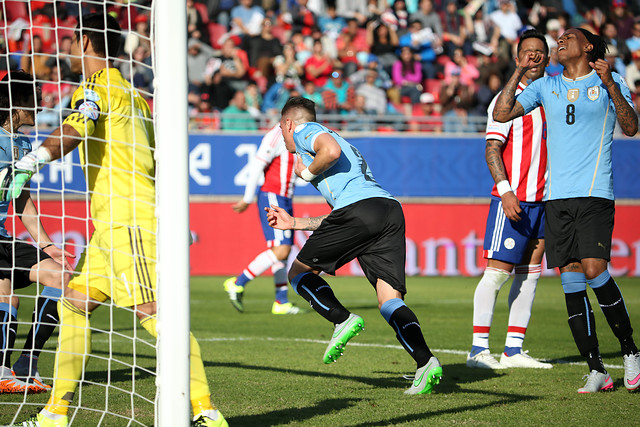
(578,228)
(26,256)
(371,230)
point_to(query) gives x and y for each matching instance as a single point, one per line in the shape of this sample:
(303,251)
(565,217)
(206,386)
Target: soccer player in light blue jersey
(21,263)
(581,106)
(366,223)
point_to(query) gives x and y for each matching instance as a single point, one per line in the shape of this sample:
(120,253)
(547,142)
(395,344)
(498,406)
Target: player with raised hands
(581,105)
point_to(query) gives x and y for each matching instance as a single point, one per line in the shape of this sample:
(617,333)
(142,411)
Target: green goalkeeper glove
(15,178)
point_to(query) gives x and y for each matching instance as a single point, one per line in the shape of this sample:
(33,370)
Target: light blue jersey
(581,118)
(349,179)
(9,152)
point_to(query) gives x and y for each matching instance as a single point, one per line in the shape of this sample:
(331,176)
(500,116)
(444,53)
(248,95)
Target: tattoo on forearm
(627,117)
(493,156)
(294,224)
(506,107)
(314,223)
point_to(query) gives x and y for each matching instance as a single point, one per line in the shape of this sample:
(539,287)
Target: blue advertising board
(405,166)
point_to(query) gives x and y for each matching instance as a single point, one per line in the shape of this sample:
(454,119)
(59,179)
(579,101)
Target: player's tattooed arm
(507,108)
(493,156)
(627,116)
(308,224)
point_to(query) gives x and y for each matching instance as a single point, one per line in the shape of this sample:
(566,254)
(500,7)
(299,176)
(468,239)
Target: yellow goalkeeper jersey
(117,152)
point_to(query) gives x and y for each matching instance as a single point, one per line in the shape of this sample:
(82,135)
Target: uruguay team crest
(572,95)
(593,92)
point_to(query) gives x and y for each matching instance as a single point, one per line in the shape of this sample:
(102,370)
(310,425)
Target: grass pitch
(267,370)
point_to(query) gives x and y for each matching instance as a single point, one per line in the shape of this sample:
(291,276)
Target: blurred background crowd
(370,65)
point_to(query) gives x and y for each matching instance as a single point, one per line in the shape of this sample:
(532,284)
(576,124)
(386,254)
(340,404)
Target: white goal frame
(172,147)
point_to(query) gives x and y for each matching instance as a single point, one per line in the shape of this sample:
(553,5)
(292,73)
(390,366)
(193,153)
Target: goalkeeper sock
(198,378)
(44,320)
(8,328)
(320,297)
(74,347)
(259,265)
(408,330)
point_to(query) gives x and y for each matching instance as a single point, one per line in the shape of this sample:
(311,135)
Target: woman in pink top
(407,75)
(468,73)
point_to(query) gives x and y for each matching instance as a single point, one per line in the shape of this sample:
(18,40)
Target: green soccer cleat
(235,293)
(426,377)
(286,308)
(342,333)
(203,420)
(40,420)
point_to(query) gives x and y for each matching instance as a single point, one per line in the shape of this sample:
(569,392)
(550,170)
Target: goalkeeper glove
(16,177)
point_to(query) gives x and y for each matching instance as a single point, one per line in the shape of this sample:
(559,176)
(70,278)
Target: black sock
(583,327)
(9,326)
(44,320)
(408,330)
(320,297)
(612,305)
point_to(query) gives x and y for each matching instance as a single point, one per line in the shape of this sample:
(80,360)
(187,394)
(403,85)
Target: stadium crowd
(418,65)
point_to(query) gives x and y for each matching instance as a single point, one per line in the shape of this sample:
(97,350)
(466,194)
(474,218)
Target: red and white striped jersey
(524,151)
(277,163)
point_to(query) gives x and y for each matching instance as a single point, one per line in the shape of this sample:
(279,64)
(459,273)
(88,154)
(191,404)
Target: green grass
(268,370)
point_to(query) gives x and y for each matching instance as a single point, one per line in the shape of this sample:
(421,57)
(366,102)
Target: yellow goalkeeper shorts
(119,263)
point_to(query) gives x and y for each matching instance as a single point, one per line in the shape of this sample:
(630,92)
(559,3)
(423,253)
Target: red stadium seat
(202,9)
(15,10)
(433,86)
(215,32)
(280,33)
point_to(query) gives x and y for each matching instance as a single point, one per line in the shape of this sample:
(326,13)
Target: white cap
(427,98)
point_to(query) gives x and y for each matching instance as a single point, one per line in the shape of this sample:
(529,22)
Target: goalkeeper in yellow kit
(113,128)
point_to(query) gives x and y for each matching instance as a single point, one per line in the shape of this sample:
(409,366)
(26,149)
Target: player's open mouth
(561,48)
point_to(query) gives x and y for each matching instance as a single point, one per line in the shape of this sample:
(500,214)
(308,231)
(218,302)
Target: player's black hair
(534,34)
(103,31)
(299,102)
(17,90)
(599,46)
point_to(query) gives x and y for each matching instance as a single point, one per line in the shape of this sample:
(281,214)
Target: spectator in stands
(319,66)
(397,17)
(554,68)
(554,31)
(383,79)
(262,50)
(423,43)
(61,60)
(336,88)
(609,33)
(428,17)
(196,27)
(56,98)
(375,98)
(139,71)
(219,91)
(198,55)
(407,75)
(358,36)
(253,98)
(622,18)
(633,43)
(353,9)
(485,94)
(383,40)
(286,65)
(222,11)
(483,34)
(360,122)
(456,100)
(468,73)
(34,59)
(278,94)
(246,19)
(236,116)
(429,119)
(302,19)
(632,72)
(330,23)
(614,60)
(311,92)
(507,20)
(347,53)
(234,64)
(454,32)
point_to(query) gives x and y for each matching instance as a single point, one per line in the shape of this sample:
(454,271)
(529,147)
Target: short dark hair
(299,102)
(17,90)
(103,31)
(534,34)
(599,46)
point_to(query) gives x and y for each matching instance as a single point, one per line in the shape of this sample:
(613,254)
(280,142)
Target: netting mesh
(105,186)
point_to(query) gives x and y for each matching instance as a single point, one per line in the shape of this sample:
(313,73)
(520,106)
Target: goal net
(78,198)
